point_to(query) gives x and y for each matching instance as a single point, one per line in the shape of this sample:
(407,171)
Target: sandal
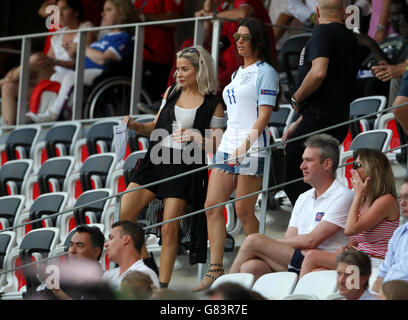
(209,279)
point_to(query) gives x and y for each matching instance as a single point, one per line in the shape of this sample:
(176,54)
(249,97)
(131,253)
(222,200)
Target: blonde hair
(378,168)
(126,11)
(203,64)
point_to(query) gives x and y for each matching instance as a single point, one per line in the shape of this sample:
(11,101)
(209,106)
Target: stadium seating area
(48,170)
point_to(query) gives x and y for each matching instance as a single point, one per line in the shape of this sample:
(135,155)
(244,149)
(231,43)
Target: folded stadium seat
(95,173)
(388,121)
(59,141)
(20,143)
(378,139)
(10,210)
(120,178)
(98,139)
(14,175)
(317,285)
(36,244)
(45,205)
(137,142)
(361,107)
(52,177)
(276,285)
(364,106)
(280,120)
(91,210)
(244,279)
(7,243)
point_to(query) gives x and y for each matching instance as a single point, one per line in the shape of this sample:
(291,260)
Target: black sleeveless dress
(193,187)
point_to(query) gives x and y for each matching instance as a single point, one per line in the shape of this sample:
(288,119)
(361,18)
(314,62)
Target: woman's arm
(382,208)
(256,130)
(144,128)
(100,57)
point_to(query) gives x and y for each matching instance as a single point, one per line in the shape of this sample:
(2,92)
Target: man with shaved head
(328,67)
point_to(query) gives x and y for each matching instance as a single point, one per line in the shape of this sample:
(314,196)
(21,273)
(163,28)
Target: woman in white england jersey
(250,98)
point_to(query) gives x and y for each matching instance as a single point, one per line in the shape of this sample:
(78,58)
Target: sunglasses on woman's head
(356,165)
(190,50)
(245,37)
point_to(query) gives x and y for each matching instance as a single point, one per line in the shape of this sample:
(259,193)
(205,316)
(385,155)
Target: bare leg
(133,203)
(275,254)
(257,267)
(173,207)
(401,113)
(318,260)
(220,187)
(245,208)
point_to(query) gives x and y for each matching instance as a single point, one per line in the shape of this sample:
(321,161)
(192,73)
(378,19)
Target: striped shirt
(374,241)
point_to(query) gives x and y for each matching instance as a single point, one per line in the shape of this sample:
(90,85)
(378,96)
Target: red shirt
(160,40)
(92,11)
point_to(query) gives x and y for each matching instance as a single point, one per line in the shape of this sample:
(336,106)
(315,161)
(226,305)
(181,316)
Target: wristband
(380,27)
(294,103)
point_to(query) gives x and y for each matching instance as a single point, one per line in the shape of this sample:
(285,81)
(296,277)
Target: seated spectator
(233,291)
(318,217)
(123,247)
(115,46)
(394,266)
(403,201)
(159,42)
(353,266)
(86,244)
(373,216)
(54,65)
(394,290)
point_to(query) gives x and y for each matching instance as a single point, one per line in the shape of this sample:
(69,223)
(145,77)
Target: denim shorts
(252,166)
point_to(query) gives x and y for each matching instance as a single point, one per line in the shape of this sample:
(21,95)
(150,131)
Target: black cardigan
(199,180)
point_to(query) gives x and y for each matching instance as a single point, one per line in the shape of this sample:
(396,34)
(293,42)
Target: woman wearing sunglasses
(373,216)
(177,142)
(250,98)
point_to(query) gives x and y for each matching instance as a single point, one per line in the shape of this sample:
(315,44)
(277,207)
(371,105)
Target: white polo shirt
(115,279)
(332,206)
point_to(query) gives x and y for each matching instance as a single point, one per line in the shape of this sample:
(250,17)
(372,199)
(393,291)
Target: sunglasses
(245,37)
(356,165)
(190,50)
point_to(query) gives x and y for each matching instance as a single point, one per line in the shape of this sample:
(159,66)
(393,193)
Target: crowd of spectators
(361,228)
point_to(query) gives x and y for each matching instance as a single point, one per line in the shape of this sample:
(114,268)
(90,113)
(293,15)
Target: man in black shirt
(328,67)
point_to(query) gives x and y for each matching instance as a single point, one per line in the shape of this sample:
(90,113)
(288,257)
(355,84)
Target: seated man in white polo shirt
(123,246)
(318,218)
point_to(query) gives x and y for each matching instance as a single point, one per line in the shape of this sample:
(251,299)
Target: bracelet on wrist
(380,27)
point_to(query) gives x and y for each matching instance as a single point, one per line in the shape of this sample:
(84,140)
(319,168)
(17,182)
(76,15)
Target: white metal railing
(264,191)
(26,41)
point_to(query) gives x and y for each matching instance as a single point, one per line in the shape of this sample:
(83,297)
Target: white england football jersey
(250,87)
